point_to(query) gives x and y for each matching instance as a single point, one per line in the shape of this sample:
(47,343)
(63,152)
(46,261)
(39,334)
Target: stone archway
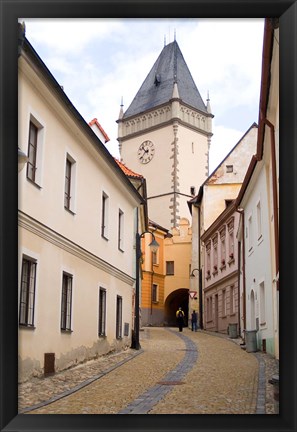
(176,299)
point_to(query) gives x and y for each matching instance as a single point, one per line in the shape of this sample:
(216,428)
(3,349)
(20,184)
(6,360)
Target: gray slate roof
(158,86)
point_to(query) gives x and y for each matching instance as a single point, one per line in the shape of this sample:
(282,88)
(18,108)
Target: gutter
(241,212)
(275,198)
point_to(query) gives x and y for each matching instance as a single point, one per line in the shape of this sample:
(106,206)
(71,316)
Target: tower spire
(121,109)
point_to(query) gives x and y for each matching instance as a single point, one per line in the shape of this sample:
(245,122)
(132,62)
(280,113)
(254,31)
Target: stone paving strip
(114,391)
(39,392)
(145,402)
(224,381)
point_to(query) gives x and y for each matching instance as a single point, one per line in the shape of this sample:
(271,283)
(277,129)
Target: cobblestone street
(173,373)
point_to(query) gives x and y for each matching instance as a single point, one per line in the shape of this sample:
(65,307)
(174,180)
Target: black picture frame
(10,11)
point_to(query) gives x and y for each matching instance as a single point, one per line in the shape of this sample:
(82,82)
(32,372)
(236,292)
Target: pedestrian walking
(194,321)
(180,318)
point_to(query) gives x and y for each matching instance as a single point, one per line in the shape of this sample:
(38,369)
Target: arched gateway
(176,299)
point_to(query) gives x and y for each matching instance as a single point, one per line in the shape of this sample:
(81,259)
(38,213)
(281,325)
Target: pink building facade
(220,272)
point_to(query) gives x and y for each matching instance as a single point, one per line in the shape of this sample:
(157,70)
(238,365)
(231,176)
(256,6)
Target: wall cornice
(35,227)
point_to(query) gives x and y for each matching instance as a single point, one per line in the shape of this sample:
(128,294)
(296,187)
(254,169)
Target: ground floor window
(102,312)
(66,305)
(27,294)
(119,317)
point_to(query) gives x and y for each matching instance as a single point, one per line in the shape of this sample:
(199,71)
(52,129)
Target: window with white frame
(262,303)
(102,312)
(27,293)
(32,152)
(215,252)
(169,268)
(155,257)
(230,226)
(66,302)
(70,174)
(259,220)
(250,233)
(121,231)
(208,261)
(35,150)
(223,246)
(104,215)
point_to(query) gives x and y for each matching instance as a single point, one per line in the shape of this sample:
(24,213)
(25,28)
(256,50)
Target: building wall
(59,240)
(259,307)
(152,312)
(220,274)
(178,250)
(180,162)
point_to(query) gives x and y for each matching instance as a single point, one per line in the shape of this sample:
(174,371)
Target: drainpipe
(274,194)
(238,285)
(200,272)
(241,212)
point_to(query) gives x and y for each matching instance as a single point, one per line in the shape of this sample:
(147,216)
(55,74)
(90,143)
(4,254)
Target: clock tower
(165,135)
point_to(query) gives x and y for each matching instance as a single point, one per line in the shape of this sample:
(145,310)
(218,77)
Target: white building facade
(77,225)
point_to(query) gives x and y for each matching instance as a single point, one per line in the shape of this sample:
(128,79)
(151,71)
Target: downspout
(274,194)
(241,212)
(238,285)
(200,272)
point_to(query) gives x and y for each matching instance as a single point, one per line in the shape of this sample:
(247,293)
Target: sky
(100,62)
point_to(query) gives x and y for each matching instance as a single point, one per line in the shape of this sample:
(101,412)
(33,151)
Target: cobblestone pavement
(174,373)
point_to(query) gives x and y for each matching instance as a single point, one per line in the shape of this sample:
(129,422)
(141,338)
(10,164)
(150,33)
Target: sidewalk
(114,383)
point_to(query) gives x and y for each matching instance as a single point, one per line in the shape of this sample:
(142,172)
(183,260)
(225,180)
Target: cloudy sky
(101,61)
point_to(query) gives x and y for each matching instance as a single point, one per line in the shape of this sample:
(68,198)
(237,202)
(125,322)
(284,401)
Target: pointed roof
(157,88)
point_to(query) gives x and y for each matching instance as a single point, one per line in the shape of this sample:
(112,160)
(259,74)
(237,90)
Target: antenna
(164,40)
(122,103)
(174,35)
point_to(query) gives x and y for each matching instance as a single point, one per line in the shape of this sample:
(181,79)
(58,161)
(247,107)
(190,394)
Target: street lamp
(154,245)
(200,294)
(22,159)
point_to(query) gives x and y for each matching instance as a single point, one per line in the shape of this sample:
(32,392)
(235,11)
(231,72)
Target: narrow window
(121,231)
(169,268)
(215,253)
(32,152)
(104,218)
(223,302)
(119,317)
(229,168)
(259,220)
(155,257)
(155,293)
(102,312)
(193,190)
(232,300)
(231,239)
(208,253)
(66,302)
(27,295)
(250,233)
(67,197)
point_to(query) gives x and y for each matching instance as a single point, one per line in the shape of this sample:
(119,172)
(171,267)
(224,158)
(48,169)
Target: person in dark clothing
(194,321)
(180,318)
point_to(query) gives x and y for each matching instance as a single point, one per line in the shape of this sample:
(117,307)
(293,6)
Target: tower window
(193,190)
(229,168)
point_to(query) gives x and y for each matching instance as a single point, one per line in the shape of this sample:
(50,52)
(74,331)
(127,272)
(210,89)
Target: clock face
(146,152)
